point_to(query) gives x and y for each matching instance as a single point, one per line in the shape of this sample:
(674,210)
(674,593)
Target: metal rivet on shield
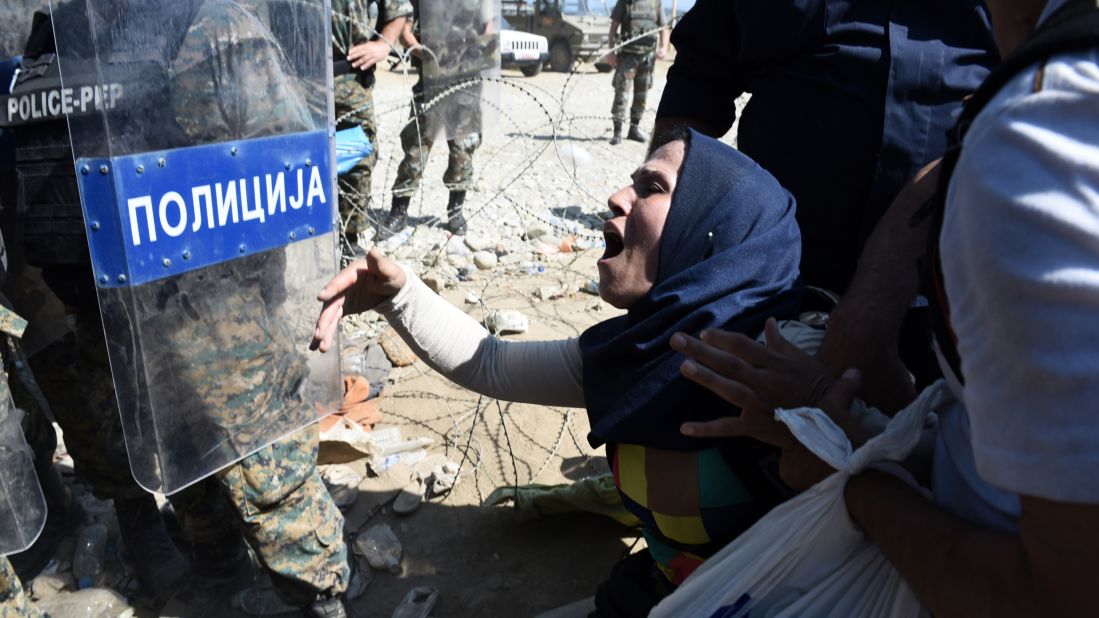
(122,278)
(308,162)
(85,169)
(103,169)
(311,230)
(166,262)
(287,164)
(242,248)
(233,151)
(293,235)
(161,162)
(141,169)
(95,225)
(186,255)
(103,279)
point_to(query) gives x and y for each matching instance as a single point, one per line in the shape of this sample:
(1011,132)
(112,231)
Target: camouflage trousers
(275,496)
(635,69)
(14,602)
(417,145)
(355,107)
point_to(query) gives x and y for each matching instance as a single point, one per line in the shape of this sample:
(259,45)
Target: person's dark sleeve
(618,13)
(719,42)
(706,77)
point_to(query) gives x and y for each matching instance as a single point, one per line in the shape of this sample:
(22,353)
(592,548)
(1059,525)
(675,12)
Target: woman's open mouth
(613,241)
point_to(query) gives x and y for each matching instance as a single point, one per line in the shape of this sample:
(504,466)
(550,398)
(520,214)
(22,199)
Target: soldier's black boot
(63,514)
(616,139)
(224,561)
(455,220)
(636,134)
(396,219)
(158,563)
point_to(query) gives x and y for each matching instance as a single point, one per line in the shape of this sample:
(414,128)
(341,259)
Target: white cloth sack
(806,557)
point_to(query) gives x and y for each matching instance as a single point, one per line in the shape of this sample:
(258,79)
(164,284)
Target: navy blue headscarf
(728,259)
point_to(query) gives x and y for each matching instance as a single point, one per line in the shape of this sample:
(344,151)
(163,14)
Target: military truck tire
(530,70)
(560,56)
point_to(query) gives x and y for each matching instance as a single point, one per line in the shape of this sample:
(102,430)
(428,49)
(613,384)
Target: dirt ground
(545,170)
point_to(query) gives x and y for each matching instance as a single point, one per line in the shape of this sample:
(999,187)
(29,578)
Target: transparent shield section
(22,507)
(461,66)
(201,132)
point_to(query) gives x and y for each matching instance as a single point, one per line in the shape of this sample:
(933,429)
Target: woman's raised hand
(357,288)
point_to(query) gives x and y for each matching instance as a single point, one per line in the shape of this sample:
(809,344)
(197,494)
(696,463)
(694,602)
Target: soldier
(420,133)
(19,487)
(356,50)
(219,351)
(14,601)
(639,20)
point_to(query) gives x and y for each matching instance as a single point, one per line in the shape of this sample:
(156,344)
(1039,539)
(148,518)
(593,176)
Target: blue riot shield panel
(202,136)
(461,65)
(22,507)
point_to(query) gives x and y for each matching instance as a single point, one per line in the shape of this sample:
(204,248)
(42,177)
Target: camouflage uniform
(245,364)
(14,602)
(636,59)
(459,114)
(417,143)
(354,97)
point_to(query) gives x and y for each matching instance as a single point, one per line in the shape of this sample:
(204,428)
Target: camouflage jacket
(351,21)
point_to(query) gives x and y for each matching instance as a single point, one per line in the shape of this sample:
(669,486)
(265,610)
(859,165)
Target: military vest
(642,16)
(50,221)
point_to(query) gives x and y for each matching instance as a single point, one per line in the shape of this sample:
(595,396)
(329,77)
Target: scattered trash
(590,287)
(472,299)
(506,322)
(444,477)
(532,268)
(410,497)
(396,240)
(381,548)
(342,483)
(88,557)
(418,603)
(89,603)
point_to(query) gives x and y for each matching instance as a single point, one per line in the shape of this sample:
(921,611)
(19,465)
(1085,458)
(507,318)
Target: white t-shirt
(1020,252)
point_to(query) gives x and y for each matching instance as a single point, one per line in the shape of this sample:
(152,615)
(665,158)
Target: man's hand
(357,288)
(732,365)
(612,59)
(365,55)
(759,379)
(661,53)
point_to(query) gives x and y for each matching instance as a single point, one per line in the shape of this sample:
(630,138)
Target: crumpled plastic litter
(595,494)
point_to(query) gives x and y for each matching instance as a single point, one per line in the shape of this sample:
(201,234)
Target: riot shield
(22,506)
(202,136)
(461,47)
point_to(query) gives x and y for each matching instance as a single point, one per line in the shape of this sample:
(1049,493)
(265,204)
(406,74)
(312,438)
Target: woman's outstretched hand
(357,288)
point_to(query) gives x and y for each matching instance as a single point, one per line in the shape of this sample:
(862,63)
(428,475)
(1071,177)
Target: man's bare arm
(863,329)
(958,569)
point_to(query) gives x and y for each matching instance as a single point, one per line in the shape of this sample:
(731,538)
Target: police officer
(463,121)
(644,38)
(356,51)
(214,73)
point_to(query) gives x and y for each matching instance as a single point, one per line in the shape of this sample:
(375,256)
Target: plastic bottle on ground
(381,548)
(89,554)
